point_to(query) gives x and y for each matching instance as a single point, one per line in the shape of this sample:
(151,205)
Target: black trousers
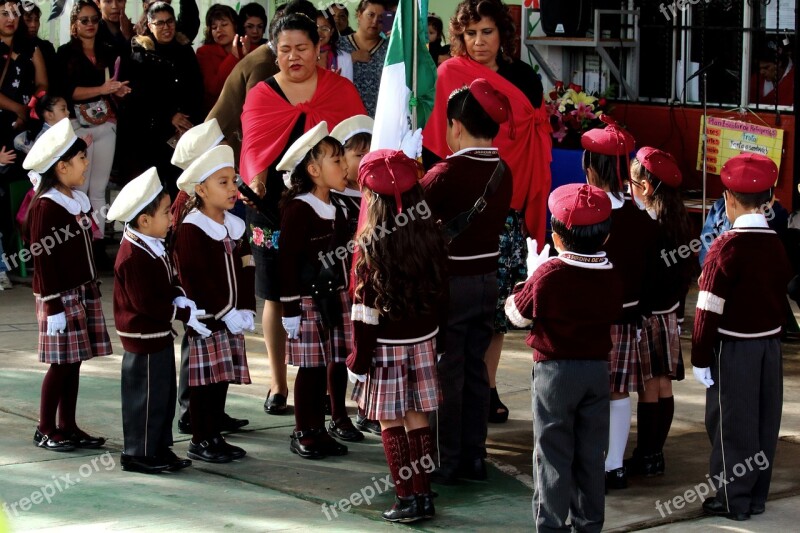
(183,381)
(460,424)
(743,418)
(148,401)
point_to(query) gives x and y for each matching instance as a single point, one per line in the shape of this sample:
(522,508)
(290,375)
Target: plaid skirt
(660,346)
(625,360)
(318,345)
(218,358)
(402,378)
(85,336)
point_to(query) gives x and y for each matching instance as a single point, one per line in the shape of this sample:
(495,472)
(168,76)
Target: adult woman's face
(369,21)
(254,29)
(32,23)
(87,23)
(112,9)
(222,31)
(482,41)
(325,30)
(9,21)
(297,55)
(163,27)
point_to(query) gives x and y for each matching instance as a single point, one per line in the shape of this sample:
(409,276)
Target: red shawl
(268,119)
(528,154)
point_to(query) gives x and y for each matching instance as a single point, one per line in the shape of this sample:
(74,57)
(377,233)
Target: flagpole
(414,14)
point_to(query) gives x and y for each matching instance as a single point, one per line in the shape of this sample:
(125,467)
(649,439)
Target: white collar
(652,213)
(616,202)
(233,225)
(155,244)
(472,149)
(79,203)
(597,261)
(323,210)
(751,220)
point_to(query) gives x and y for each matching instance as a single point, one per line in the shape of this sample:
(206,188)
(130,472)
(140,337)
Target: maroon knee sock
(666,410)
(52,387)
(309,394)
(337,385)
(395,446)
(69,399)
(420,446)
(199,406)
(648,428)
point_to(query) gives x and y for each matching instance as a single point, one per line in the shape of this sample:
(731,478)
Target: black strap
(461,222)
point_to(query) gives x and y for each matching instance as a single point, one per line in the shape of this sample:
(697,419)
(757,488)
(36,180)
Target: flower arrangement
(573,111)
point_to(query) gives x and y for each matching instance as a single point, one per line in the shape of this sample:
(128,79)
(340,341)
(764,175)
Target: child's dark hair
(406,268)
(582,239)
(45,103)
(359,142)
(754,199)
(301,181)
(216,13)
(150,209)
(668,205)
(194,202)
(438,25)
(50,178)
(462,106)
(606,167)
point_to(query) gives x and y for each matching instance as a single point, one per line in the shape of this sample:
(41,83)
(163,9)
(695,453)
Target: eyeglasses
(85,21)
(161,23)
(324,29)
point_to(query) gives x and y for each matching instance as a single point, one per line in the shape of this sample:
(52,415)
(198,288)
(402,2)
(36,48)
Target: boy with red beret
(572,300)
(736,349)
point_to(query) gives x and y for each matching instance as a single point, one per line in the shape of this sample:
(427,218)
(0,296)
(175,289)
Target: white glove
(56,324)
(411,143)
(234,321)
(638,335)
(703,375)
(535,260)
(292,326)
(355,377)
(679,330)
(195,323)
(183,301)
(250,319)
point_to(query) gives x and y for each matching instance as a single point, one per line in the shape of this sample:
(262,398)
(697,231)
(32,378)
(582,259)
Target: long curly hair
(406,268)
(470,11)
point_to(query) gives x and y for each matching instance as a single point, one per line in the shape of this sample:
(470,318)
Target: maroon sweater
(669,280)
(451,187)
(69,263)
(215,280)
(742,291)
(572,300)
(144,287)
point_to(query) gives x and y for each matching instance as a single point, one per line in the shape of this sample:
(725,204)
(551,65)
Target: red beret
(492,101)
(660,164)
(388,172)
(611,140)
(749,173)
(578,204)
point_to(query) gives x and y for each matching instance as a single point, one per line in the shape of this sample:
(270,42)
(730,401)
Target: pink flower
(584,112)
(258,236)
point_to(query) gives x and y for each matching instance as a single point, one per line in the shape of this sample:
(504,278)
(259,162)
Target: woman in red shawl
(482,38)
(276,113)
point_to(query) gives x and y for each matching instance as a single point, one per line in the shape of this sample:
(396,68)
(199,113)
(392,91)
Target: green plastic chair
(17,191)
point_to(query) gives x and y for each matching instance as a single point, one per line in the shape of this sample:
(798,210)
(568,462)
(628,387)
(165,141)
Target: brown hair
(470,11)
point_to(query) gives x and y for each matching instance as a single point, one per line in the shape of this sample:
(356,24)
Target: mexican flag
(395,96)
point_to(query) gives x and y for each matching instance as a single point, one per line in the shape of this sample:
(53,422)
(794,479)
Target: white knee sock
(618,428)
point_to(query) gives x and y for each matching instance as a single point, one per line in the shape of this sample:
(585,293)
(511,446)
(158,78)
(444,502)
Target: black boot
(404,510)
(425,505)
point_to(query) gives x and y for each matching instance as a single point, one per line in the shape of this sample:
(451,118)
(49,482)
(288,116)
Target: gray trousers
(148,401)
(183,381)
(460,424)
(570,436)
(743,418)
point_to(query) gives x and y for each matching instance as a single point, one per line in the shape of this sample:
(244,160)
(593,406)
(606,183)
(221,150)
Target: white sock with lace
(618,429)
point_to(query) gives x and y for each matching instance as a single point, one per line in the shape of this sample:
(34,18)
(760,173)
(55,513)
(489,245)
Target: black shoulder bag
(461,222)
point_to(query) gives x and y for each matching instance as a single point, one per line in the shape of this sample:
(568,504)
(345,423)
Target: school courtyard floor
(273,490)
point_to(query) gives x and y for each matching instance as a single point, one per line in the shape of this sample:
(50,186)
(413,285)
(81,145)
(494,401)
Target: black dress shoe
(184,426)
(714,507)
(310,451)
(234,451)
(425,505)
(55,445)
(617,479)
(144,465)
(366,425)
(208,452)
(756,508)
(473,470)
(404,510)
(329,445)
(174,462)
(83,440)
(275,404)
(228,423)
(443,476)
(343,429)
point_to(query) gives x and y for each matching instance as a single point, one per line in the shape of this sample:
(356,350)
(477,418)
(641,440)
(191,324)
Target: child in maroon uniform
(736,348)
(396,324)
(316,312)
(571,300)
(72,328)
(216,269)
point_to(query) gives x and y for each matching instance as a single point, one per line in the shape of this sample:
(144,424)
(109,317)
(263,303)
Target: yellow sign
(728,138)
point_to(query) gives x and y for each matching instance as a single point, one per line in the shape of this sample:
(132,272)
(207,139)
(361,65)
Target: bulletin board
(728,138)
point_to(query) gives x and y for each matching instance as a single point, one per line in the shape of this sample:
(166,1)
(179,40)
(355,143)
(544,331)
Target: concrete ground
(272,489)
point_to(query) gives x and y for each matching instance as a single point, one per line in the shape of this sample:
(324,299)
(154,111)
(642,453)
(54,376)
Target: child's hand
(703,375)
(7,156)
(411,143)
(535,260)
(88,139)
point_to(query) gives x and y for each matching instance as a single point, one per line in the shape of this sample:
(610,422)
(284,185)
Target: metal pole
(414,9)
(705,142)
